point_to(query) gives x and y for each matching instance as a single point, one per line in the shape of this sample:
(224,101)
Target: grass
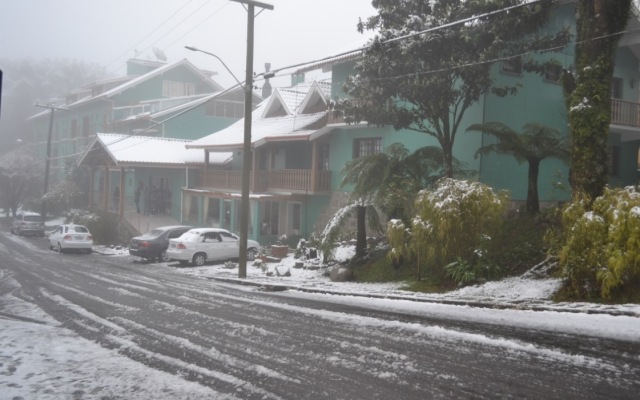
(379,270)
(519,246)
(630,294)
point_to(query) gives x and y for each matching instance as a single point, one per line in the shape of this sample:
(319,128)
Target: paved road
(252,344)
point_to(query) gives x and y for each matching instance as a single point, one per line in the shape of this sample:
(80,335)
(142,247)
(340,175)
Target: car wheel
(163,257)
(60,249)
(50,246)
(199,259)
(251,254)
(89,251)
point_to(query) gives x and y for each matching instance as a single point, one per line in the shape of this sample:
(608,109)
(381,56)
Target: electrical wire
(259,77)
(149,34)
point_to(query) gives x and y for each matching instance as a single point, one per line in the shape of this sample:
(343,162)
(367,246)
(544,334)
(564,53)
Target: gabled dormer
(316,101)
(276,107)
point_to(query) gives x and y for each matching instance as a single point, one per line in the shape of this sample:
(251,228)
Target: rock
(341,274)
(298,265)
(283,271)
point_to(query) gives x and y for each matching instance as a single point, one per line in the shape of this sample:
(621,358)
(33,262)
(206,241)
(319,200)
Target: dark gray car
(153,245)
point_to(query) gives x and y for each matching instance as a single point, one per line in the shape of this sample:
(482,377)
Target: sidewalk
(531,291)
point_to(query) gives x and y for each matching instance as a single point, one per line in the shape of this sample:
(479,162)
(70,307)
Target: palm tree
(390,180)
(534,144)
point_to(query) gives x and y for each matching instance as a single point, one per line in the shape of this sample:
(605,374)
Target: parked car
(206,244)
(28,223)
(153,245)
(71,237)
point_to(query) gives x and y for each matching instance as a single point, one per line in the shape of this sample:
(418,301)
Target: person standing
(137,196)
(116,198)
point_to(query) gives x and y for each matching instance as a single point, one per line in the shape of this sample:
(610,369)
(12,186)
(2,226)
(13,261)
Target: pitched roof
(294,124)
(130,83)
(128,149)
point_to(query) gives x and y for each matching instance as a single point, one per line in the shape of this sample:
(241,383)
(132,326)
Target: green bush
(464,272)
(455,222)
(600,253)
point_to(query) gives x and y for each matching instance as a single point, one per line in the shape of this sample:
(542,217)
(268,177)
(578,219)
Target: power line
(261,76)
(149,34)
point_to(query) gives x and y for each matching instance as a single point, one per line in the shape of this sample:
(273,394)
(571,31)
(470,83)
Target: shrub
(103,228)
(464,272)
(455,222)
(600,253)
(63,195)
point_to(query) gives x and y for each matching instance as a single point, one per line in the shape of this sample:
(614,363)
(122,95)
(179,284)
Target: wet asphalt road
(253,344)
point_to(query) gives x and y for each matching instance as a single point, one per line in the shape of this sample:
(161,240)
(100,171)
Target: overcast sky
(108,32)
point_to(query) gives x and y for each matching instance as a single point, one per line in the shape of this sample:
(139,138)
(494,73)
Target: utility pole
(247,155)
(51,109)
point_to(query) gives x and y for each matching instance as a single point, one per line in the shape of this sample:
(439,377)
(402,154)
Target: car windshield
(32,218)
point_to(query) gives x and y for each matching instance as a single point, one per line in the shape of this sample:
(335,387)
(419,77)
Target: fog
(110,32)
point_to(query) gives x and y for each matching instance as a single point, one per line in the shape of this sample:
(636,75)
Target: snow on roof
(137,80)
(294,125)
(154,150)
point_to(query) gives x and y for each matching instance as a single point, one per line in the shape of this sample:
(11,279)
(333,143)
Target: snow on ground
(31,368)
(529,291)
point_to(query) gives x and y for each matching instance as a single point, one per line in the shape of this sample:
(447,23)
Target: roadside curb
(475,304)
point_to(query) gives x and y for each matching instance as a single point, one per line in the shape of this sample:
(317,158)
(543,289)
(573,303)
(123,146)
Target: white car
(71,237)
(206,244)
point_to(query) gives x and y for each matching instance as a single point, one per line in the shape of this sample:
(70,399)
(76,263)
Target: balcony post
(314,166)
(254,170)
(206,167)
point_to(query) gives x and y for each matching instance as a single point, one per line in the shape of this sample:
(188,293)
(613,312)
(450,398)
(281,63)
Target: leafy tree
(534,144)
(453,223)
(600,255)
(390,180)
(29,81)
(426,83)
(587,93)
(20,177)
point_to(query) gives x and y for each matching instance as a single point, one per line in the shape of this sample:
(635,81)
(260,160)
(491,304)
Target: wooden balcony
(297,180)
(625,113)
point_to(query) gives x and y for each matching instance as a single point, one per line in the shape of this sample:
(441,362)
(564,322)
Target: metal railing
(284,179)
(625,113)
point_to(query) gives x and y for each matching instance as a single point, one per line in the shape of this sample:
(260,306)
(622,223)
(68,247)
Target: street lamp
(246,161)
(194,48)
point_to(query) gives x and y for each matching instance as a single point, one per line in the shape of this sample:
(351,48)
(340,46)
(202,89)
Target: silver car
(28,223)
(71,237)
(200,245)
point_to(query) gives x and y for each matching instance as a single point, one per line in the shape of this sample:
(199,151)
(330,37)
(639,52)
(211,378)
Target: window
(86,127)
(323,157)
(512,66)
(177,89)
(296,216)
(614,161)
(225,108)
(366,147)
(270,218)
(616,88)
(74,128)
(553,73)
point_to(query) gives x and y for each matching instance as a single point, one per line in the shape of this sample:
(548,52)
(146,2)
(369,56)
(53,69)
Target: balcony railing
(625,113)
(299,180)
